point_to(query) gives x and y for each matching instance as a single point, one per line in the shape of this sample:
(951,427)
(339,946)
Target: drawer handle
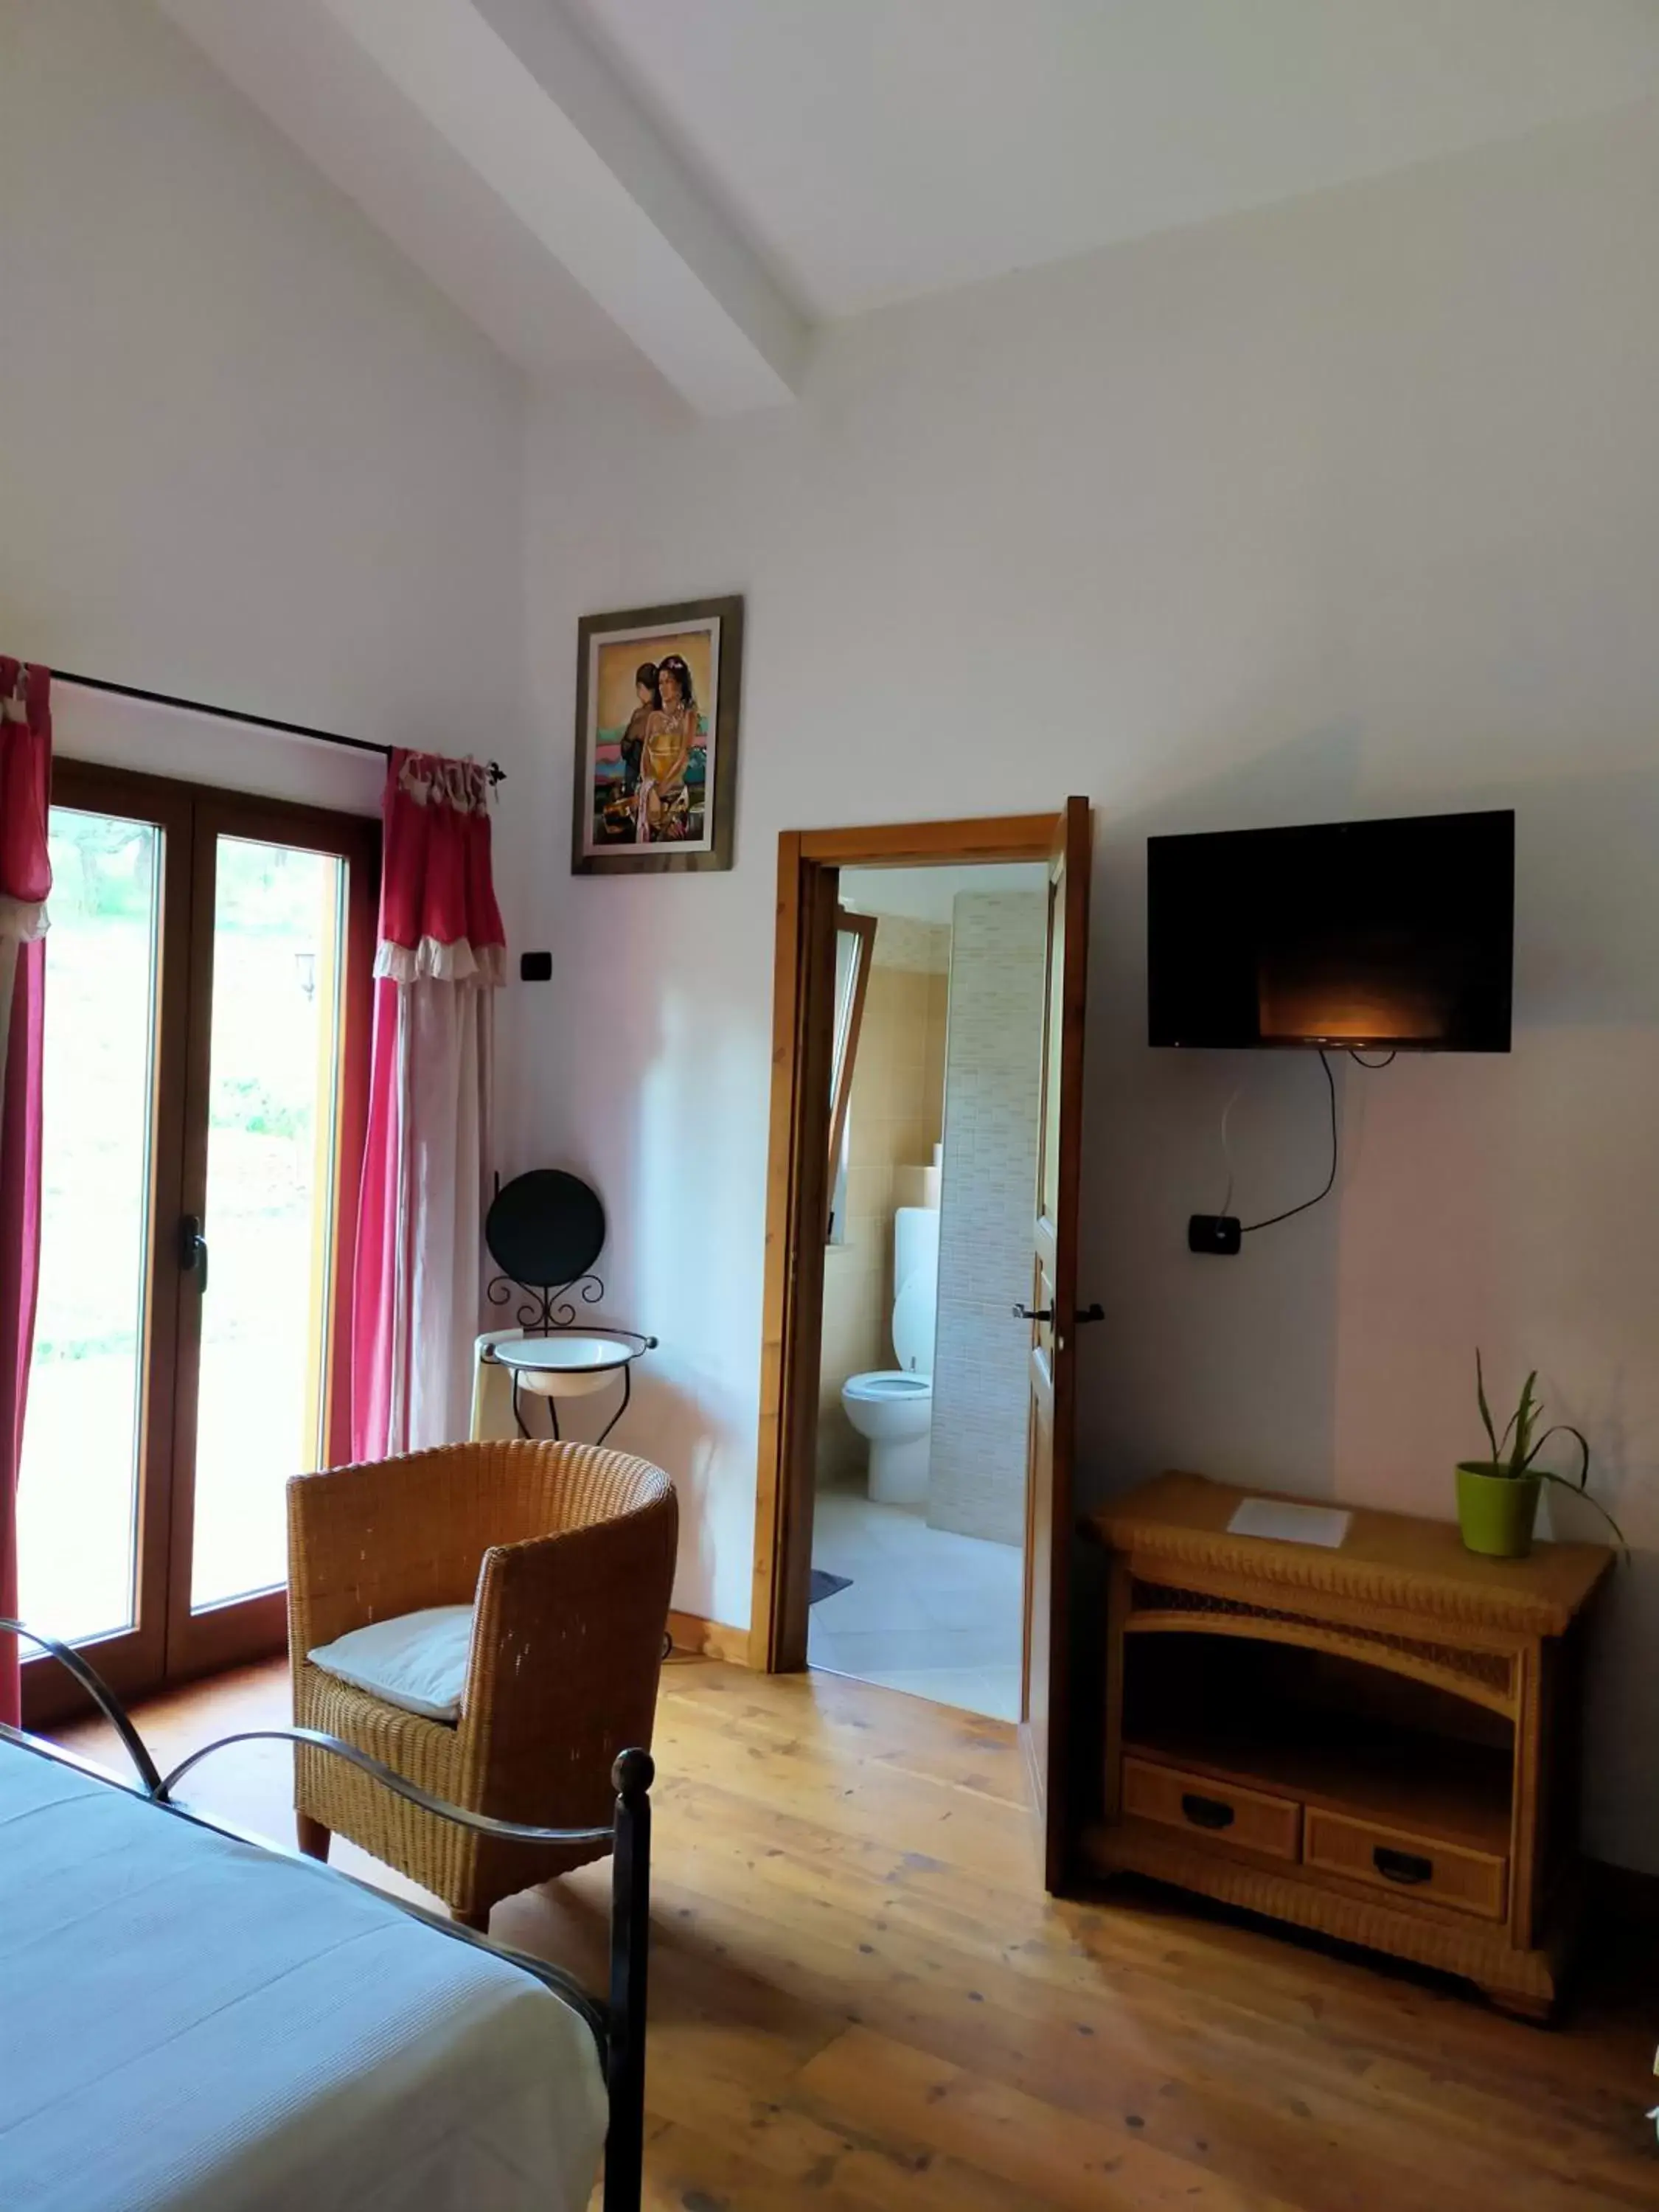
(1206,1811)
(1401,1866)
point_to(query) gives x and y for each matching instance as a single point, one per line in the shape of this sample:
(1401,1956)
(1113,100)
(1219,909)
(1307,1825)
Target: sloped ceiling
(879,149)
(594,181)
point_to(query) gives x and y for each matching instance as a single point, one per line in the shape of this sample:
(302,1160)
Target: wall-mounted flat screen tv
(1377,936)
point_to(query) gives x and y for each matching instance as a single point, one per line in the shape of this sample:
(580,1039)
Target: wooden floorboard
(862,2002)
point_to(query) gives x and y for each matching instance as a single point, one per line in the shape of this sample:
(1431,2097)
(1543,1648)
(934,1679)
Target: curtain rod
(496,772)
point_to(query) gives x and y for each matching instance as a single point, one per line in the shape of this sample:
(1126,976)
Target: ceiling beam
(537,112)
(503,153)
(309,78)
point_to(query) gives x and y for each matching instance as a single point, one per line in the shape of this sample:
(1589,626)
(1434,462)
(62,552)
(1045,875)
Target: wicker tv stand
(1378,1742)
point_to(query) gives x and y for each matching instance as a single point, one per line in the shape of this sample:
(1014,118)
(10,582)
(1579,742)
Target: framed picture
(657,693)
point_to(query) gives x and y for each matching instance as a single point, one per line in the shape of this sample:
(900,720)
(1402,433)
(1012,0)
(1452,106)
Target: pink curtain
(24,880)
(442,956)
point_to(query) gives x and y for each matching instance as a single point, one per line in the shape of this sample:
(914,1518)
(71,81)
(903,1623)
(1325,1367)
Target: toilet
(893,1408)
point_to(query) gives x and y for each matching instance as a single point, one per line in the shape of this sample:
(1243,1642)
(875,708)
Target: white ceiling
(877,149)
(697,182)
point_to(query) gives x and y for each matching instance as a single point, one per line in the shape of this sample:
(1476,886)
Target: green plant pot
(1496,1511)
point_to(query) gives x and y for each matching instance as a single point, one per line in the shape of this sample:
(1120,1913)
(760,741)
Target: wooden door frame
(810,862)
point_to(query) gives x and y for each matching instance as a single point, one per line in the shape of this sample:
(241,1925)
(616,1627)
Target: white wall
(1346,508)
(245,453)
(992,1115)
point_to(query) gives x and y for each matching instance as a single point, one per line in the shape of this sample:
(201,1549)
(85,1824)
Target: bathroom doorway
(919,1518)
(823,973)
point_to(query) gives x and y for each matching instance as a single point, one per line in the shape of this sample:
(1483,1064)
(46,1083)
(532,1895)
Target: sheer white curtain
(449,1040)
(427,1154)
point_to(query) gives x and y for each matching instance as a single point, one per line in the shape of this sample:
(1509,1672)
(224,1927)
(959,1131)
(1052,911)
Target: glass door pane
(78,1486)
(278,934)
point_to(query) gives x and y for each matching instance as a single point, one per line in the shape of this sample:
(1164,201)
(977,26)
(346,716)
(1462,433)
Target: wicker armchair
(569,1552)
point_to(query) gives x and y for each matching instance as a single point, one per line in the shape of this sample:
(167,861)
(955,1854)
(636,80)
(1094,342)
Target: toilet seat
(888,1382)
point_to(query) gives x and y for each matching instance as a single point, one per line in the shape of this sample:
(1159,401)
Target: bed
(195,2022)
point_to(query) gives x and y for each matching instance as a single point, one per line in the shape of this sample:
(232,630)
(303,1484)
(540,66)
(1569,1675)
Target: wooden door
(1054,1313)
(811,1188)
(276,1092)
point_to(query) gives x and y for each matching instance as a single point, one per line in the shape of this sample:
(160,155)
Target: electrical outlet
(1216,1233)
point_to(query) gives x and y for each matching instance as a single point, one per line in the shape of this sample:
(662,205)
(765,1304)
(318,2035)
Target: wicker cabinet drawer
(1244,1820)
(1408,1865)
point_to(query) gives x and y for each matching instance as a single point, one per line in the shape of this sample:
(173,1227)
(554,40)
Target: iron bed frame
(616,2023)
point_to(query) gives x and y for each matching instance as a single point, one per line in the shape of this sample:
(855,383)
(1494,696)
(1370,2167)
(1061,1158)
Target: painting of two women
(656,734)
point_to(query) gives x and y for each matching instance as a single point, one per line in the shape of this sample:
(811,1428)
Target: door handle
(1095,1312)
(1408,1867)
(193,1249)
(1206,1811)
(1028,1313)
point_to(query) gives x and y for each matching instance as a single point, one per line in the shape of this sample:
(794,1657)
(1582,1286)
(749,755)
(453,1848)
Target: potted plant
(1498,1497)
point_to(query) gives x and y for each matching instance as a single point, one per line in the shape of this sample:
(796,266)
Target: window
(855,946)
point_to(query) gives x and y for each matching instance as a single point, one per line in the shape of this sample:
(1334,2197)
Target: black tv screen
(1388,936)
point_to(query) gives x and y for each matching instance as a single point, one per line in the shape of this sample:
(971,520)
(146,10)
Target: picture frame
(659,691)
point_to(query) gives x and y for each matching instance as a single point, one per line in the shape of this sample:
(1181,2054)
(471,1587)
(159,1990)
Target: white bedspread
(188,2022)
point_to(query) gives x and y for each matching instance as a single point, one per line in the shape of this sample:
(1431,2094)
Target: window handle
(193,1250)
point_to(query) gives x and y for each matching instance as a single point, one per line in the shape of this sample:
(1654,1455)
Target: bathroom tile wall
(993,1091)
(894,1122)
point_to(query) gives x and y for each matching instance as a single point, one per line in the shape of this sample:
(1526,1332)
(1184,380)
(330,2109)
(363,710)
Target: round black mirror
(545,1229)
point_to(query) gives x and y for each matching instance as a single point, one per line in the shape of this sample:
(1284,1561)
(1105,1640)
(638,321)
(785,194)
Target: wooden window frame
(863,928)
(167,1644)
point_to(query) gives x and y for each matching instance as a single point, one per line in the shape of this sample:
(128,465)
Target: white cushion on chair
(417,1660)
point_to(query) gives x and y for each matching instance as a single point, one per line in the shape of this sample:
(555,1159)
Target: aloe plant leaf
(1486,1410)
(1566,1429)
(1565,1482)
(1526,1421)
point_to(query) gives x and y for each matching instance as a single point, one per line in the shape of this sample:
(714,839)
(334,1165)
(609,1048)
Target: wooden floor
(861,1999)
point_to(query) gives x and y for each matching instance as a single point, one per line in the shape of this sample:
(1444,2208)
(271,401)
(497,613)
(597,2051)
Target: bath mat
(824,1585)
